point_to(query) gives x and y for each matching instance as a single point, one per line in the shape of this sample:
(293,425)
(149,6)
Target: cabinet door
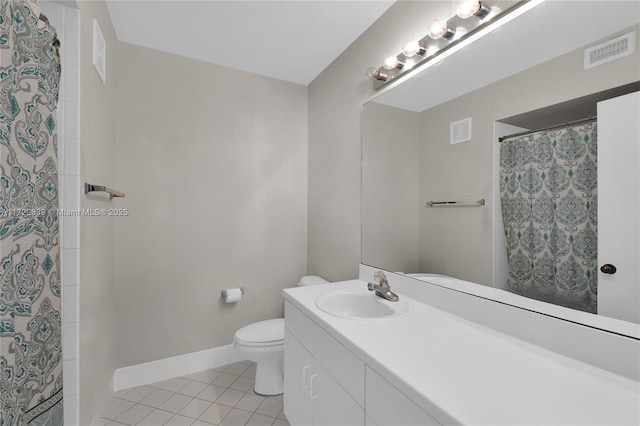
(386,405)
(332,405)
(298,365)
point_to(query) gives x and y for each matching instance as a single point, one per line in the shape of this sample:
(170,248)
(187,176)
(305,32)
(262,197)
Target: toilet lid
(262,332)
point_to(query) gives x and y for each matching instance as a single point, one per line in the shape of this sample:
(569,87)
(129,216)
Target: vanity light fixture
(469,8)
(412,47)
(439,28)
(446,37)
(392,62)
(374,73)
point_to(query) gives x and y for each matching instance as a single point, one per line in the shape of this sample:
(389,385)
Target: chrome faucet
(381,287)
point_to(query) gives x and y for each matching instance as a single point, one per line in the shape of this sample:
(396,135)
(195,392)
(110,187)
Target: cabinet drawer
(386,405)
(343,365)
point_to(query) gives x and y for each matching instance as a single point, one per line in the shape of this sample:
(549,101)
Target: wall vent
(610,50)
(99,52)
(460,131)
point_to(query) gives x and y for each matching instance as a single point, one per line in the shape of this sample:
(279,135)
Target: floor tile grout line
(168,386)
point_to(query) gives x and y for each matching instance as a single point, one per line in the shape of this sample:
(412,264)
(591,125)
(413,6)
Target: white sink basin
(362,304)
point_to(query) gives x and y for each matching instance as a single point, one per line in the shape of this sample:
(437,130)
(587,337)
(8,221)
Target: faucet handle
(381,279)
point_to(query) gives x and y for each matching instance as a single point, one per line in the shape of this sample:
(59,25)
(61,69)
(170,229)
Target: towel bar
(101,188)
(456,203)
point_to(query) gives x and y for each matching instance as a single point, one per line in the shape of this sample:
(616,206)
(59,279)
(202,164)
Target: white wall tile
(70,410)
(67,23)
(70,46)
(71,18)
(71,120)
(61,149)
(70,236)
(71,77)
(69,304)
(70,377)
(71,156)
(70,341)
(70,259)
(71,193)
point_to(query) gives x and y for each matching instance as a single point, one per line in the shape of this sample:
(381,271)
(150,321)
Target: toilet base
(269,377)
(269,366)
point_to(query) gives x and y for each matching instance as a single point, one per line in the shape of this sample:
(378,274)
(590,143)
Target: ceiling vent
(610,50)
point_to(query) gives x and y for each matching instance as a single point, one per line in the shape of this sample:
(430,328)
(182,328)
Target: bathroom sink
(362,304)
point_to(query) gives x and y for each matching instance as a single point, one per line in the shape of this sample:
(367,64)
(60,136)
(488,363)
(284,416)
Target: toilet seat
(262,333)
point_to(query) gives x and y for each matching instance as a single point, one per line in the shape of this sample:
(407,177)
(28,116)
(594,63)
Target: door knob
(608,269)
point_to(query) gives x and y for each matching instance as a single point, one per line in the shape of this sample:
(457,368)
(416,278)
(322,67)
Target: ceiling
(288,40)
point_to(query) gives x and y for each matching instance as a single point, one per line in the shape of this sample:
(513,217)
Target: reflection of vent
(460,131)
(610,50)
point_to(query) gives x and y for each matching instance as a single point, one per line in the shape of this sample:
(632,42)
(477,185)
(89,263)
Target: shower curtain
(548,188)
(30,320)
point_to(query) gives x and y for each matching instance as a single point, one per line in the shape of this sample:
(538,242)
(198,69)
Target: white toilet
(263,343)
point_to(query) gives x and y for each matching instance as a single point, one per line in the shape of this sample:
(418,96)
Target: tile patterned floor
(221,396)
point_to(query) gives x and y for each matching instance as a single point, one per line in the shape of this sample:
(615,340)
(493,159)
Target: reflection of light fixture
(374,73)
(439,28)
(469,8)
(460,32)
(432,50)
(412,47)
(392,62)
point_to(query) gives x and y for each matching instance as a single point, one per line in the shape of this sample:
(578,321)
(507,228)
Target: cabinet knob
(608,269)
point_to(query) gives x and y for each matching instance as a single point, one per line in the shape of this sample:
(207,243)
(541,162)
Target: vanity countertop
(463,373)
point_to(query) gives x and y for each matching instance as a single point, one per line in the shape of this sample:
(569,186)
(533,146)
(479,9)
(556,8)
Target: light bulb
(432,50)
(392,62)
(460,31)
(412,47)
(469,8)
(374,73)
(440,29)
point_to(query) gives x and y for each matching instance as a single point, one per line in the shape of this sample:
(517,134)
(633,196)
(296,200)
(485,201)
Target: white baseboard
(164,369)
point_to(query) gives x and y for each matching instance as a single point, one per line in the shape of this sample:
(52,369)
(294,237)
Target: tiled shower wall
(66,20)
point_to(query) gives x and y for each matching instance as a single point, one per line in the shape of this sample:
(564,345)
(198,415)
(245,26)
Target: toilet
(263,343)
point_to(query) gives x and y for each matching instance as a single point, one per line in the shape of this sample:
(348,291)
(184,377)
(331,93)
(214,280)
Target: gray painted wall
(214,165)
(390,187)
(335,99)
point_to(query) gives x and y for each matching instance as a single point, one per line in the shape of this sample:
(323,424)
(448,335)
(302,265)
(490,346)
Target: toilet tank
(311,280)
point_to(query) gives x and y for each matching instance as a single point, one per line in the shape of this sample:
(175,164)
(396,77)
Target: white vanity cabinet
(386,405)
(327,384)
(316,386)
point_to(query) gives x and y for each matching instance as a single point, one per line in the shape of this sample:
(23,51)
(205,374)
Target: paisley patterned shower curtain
(548,187)
(30,320)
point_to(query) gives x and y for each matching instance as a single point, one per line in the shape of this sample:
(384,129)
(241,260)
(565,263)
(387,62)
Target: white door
(619,207)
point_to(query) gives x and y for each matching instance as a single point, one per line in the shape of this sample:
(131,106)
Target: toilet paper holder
(224,292)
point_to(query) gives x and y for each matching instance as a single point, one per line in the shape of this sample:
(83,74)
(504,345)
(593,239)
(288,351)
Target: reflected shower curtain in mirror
(30,320)
(548,188)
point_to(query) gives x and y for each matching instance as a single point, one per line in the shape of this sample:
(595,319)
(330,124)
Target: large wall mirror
(529,74)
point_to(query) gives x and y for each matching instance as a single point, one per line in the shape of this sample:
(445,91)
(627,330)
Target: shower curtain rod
(557,126)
